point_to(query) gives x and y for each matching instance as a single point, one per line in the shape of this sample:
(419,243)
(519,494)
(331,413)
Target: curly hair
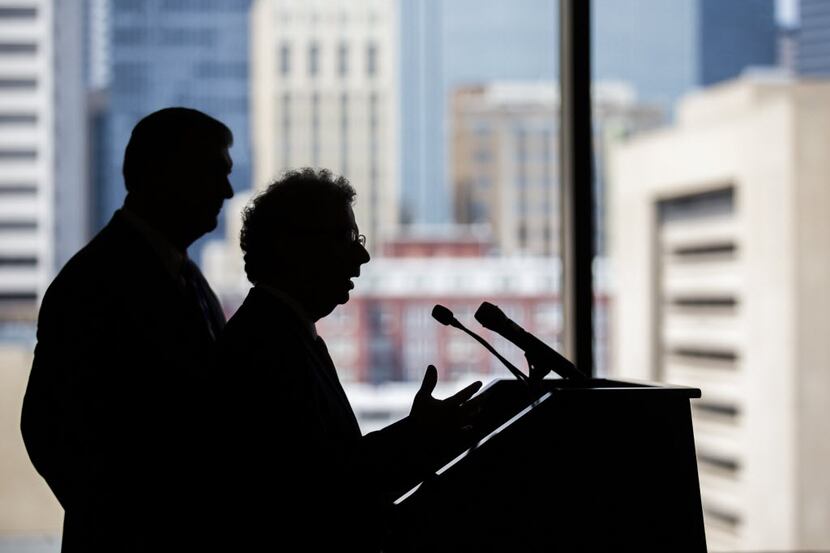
(292,203)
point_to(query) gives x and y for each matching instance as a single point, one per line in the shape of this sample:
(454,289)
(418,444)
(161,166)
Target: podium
(593,465)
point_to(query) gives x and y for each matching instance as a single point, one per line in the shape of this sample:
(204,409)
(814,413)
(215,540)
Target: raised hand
(442,415)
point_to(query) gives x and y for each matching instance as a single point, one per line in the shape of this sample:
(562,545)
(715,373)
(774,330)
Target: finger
(465,394)
(430,380)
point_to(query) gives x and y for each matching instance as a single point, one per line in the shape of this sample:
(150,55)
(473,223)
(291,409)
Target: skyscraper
(445,45)
(27,156)
(813,39)
(423,196)
(72,205)
(325,94)
(174,53)
(661,48)
(720,268)
(505,169)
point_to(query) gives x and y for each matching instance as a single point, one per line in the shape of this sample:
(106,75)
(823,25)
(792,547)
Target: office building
(73,187)
(446,45)
(661,49)
(325,94)
(27,155)
(720,269)
(506,158)
(812,50)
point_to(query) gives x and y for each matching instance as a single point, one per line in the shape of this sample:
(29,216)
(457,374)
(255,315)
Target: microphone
(542,357)
(444,316)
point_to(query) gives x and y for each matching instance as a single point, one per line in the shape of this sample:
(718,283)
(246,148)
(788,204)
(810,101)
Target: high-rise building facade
(719,256)
(812,51)
(27,155)
(662,49)
(424,198)
(506,157)
(73,188)
(163,53)
(325,94)
(446,45)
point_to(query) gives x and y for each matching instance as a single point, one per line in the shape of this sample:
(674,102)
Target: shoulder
(102,275)
(262,318)
(264,331)
(114,250)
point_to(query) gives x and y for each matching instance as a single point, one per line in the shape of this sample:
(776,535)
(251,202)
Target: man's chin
(210,225)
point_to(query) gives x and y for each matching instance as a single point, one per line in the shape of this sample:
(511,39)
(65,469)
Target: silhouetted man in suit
(112,413)
(301,472)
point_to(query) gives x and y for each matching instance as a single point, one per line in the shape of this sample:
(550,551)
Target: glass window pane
(711,133)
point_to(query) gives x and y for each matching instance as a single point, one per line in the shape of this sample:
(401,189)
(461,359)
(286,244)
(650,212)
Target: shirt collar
(295,306)
(172,259)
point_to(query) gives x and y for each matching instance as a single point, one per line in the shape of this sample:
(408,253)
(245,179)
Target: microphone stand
(510,366)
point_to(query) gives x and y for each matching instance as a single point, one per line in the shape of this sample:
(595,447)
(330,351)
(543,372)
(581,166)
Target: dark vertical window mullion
(577,180)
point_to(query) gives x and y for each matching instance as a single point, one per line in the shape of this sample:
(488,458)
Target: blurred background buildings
(710,138)
(721,265)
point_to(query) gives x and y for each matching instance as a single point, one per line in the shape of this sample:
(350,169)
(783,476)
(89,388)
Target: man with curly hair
(304,473)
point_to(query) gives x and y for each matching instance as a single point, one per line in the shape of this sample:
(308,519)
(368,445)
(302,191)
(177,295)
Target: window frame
(576,176)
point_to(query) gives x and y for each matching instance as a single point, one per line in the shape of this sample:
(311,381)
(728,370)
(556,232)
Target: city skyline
(437,64)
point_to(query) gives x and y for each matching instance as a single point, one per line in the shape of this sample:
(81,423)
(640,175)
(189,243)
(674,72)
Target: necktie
(331,376)
(199,290)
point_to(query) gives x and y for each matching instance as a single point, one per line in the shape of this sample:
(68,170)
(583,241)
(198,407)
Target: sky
(787,11)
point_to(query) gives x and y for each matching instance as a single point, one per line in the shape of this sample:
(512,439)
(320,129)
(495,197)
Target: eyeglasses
(353,236)
(358,238)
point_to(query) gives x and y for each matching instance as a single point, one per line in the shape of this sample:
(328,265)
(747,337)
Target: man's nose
(363,254)
(227,190)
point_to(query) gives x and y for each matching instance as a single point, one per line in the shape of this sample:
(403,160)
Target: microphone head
(489,315)
(443,315)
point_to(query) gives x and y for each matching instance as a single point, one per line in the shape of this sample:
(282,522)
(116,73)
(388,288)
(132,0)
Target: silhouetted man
(112,416)
(302,473)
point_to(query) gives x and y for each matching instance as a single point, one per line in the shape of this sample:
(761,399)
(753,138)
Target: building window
(129,36)
(18,225)
(374,194)
(285,59)
(315,129)
(18,119)
(221,70)
(521,146)
(313,59)
(18,261)
(18,189)
(372,59)
(286,129)
(344,133)
(18,154)
(19,84)
(18,48)
(343,59)
(184,36)
(14,12)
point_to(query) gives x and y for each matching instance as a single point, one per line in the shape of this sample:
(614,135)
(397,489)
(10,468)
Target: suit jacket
(303,473)
(112,414)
